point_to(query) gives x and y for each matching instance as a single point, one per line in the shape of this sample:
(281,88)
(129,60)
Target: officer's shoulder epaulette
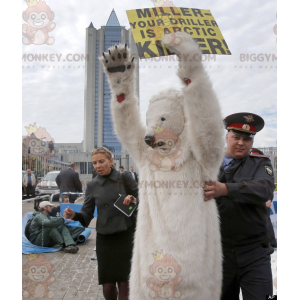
(259,155)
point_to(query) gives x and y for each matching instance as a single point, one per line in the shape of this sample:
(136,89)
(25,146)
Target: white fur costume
(172,216)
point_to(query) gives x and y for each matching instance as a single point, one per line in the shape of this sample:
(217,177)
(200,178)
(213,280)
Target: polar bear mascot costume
(177,247)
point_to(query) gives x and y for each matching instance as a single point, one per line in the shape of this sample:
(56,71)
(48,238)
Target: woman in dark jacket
(115,231)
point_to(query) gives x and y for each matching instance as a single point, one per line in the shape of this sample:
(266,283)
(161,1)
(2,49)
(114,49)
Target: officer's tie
(230,166)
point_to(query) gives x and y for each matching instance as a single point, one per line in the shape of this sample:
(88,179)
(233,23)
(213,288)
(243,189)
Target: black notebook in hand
(125,209)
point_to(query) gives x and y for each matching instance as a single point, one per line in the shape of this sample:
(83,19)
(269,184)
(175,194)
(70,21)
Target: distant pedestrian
(134,175)
(121,169)
(68,181)
(29,183)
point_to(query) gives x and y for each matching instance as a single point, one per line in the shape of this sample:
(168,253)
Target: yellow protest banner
(148,25)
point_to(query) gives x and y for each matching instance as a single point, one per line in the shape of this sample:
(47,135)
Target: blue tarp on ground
(28,248)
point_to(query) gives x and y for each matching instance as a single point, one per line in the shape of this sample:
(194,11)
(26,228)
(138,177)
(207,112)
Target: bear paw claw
(117,59)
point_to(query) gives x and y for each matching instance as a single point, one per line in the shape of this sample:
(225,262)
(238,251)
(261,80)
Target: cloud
(54,97)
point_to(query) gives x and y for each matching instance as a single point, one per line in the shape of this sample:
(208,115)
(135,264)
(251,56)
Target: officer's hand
(69,213)
(268,203)
(213,189)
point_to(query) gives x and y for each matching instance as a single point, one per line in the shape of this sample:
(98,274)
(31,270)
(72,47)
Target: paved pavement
(75,275)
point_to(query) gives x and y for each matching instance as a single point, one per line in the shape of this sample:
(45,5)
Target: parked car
(48,186)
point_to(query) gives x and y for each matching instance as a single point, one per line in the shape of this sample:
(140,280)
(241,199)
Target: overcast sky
(53,96)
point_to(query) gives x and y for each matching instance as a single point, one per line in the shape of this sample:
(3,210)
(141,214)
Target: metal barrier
(51,198)
(36,198)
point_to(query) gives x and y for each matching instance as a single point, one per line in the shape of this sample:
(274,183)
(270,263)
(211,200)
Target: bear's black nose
(149,140)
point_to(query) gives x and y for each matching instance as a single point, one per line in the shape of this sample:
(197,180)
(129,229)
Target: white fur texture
(175,218)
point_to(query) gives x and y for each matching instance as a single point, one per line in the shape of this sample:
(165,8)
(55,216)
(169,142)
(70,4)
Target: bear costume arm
(202,109)
(119,67)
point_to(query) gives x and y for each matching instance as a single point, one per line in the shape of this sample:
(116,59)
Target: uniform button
(105,205)
(109,219)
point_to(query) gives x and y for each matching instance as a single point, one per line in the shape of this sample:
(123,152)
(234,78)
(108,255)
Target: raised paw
(117,59)
(180,43)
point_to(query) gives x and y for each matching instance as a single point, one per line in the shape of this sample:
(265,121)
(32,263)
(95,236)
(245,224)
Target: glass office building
(112,36)
(98,126)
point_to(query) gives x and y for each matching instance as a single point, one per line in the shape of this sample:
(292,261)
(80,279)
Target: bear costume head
(165,109)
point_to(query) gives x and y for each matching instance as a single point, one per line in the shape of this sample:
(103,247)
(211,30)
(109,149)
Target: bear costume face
(166,109)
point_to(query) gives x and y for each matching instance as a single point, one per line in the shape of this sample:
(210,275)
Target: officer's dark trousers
(52,236)
(249,270)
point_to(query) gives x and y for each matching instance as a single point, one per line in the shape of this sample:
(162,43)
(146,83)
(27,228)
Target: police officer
(246,183)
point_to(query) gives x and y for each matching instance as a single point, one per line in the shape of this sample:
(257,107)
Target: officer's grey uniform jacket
(243,212)
(102,193)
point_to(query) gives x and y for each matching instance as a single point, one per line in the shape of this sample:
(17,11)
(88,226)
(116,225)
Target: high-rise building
(98,126)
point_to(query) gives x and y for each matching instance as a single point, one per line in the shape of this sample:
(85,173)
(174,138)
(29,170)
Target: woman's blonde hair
(104,151)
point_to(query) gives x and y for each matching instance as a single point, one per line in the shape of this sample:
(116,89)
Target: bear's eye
(163,119)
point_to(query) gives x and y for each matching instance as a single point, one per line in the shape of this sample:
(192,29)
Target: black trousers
(248,269)
(30,190)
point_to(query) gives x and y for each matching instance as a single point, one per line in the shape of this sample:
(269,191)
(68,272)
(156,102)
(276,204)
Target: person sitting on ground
(47,232)
(56,210)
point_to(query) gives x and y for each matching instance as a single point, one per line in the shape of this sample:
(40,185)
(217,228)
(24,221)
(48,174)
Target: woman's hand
(129,199)
(69,213)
